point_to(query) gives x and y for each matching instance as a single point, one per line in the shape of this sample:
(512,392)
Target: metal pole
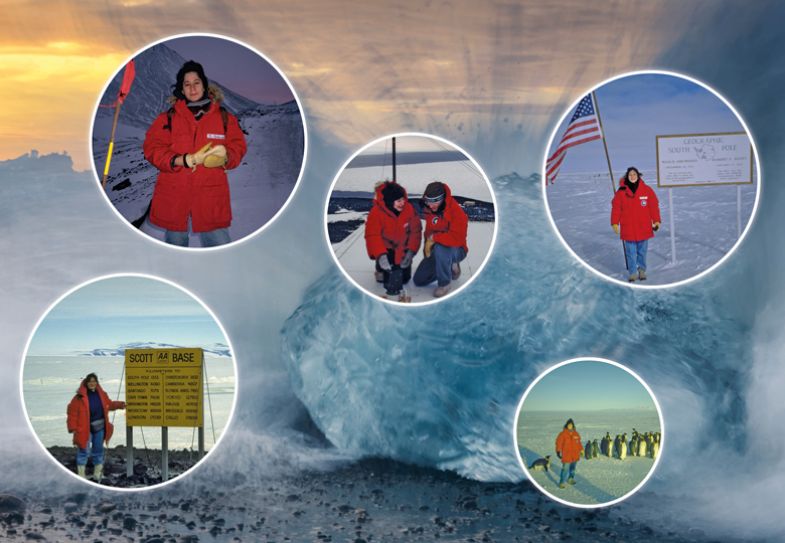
(129,453)
(608,159)
(672,226)
(395,171)
(738,211)
(201,441)
(164,453)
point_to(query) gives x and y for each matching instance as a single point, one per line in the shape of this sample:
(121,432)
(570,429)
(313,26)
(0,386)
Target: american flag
(583,127)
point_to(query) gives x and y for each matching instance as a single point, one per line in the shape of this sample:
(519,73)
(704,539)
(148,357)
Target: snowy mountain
(219,349)
(156,69)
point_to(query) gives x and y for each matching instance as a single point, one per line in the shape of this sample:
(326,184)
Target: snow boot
(98,473)
(562,485)
(633,277)
(641,274)
(441,291)
(394,283)
(80,471)
(571,481)
(456,270)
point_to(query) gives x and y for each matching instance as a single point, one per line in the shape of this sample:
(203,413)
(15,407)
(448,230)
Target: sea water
(50,382)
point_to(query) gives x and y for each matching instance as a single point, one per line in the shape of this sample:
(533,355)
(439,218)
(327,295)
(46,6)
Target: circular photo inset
(198,141)
(588,432)
(128,381)
(651,179)
(411,219)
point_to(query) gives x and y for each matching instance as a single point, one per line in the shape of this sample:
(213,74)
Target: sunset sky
(385,68)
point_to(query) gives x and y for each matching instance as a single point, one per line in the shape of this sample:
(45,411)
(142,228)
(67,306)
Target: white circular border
(523,464)
(277,213)
(160,280)
(495,222)
(711,268)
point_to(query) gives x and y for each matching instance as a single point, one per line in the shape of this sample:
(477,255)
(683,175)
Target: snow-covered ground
(599,480)
(705,218)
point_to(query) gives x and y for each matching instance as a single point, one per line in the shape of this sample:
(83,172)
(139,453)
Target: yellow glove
(216,157)
(615,228)
(428,247)
(194,159)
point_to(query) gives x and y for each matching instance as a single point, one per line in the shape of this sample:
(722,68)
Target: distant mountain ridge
(218,349)
(156,69)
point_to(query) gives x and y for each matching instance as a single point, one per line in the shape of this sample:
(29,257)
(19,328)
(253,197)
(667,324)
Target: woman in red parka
(392,237)
(88,421)
(568,449)
(192,145)
(635,216)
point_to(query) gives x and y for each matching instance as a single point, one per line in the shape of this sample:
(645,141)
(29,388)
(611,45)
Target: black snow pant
(396,278)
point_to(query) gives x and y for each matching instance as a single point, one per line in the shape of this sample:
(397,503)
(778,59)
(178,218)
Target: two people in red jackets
(568,449)
(393,235)
(192,145)
(88,421)
(635,216)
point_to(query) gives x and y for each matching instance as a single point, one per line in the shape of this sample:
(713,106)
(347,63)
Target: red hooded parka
(448,227)
(635,213)
(179,192)
(568,444)
(79,415)
(386,231)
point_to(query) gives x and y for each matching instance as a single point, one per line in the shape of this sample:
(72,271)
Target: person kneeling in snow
(635,216)
(568,449)
(392,237)
(446,225)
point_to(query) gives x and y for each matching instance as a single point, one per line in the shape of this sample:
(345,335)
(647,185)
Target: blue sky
(121,310)
(635,109)
(587,386)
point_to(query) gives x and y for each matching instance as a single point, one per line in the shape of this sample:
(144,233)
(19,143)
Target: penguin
(541,464)
(609,445)
(595,449)
(655,449)
(623,447)
(616,446)
(641,447)
(634,443)
(587,450)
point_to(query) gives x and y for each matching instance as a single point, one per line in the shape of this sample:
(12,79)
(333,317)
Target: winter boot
(80,471)
(633,277)
(98,472)
(562,485)
(642,274)
(571,481)
(456,270)
(394,283)
(441,291)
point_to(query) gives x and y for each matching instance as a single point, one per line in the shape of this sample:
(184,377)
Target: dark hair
(569,421)
(88,377)
(632,169)
(190,66)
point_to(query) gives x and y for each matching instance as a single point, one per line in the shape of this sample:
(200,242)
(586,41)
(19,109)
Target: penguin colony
(641,444)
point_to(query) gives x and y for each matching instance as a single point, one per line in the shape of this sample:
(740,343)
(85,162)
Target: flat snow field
(705,220)
(598,480)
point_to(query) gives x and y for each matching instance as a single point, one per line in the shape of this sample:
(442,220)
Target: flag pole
(111,145)
(608,159)
(125,87)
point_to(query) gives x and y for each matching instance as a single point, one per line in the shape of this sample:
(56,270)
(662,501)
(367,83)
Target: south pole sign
(689,160)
